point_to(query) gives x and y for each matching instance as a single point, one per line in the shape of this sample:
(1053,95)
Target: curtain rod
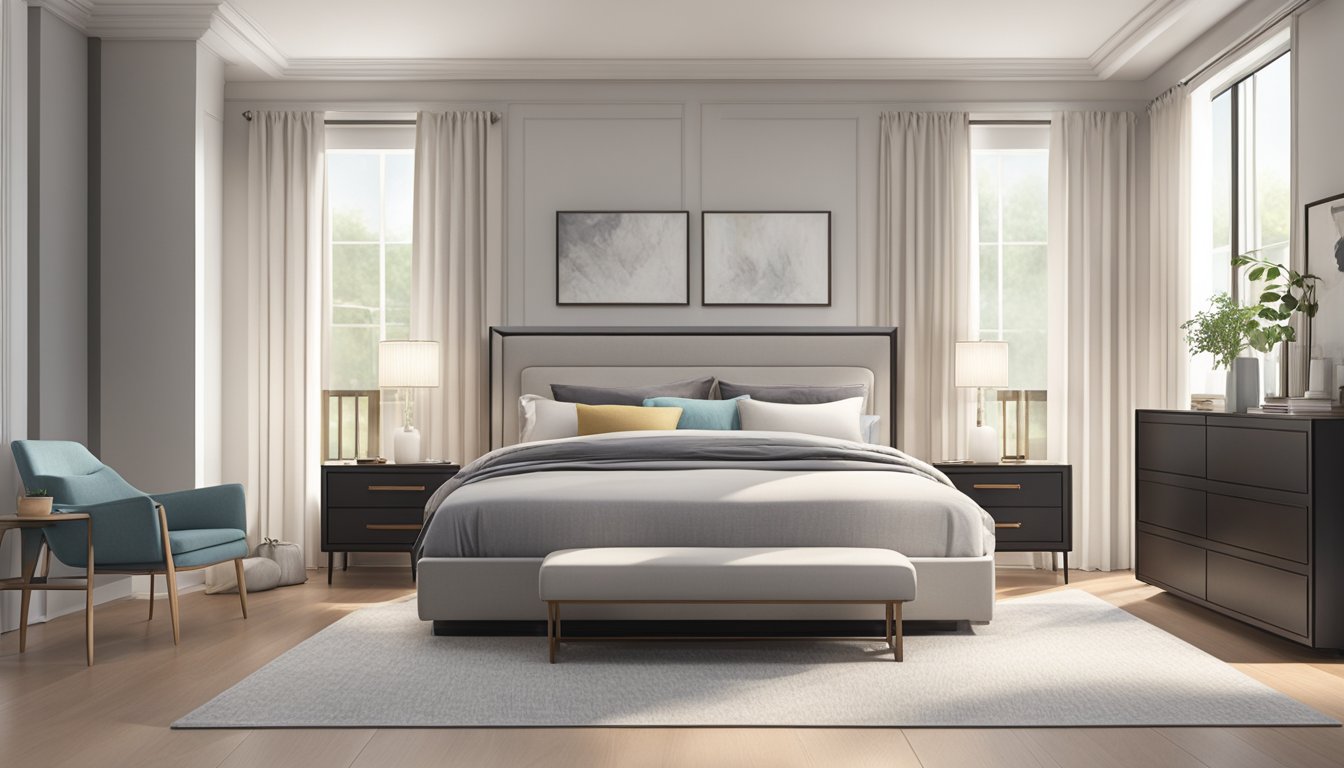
(1243,41)
(1010,122)
(247,115)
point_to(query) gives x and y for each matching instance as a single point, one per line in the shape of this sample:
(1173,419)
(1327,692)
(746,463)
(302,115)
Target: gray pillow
(694,389)
(795,394)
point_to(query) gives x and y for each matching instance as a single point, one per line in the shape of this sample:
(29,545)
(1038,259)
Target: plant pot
(1243,385)
(34,506)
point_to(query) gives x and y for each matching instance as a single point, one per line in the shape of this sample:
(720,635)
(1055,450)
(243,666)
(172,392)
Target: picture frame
(622,258)
(1323,237)
(765,258)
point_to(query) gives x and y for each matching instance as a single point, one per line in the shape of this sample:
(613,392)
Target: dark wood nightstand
(1031,503)
(376,507)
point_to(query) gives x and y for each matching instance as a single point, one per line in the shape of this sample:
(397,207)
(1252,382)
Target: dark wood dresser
(1244,514)
(1032,504)
(376,507)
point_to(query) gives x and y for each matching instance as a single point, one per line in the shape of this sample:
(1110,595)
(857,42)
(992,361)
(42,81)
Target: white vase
(1243,385)
(982,445)
(406,446)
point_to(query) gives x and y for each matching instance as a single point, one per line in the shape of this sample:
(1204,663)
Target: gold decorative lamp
(407,365)
(982,365)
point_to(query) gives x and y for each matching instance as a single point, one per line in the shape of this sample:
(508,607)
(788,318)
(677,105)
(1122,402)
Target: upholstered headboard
(527,360)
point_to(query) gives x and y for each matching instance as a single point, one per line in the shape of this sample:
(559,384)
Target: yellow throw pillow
(598,419)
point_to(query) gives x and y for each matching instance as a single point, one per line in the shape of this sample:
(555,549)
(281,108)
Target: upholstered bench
(727,575)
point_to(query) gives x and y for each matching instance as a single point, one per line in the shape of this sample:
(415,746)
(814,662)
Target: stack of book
(1313,406)
(1207,403)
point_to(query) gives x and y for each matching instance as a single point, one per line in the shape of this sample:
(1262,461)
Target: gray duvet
(700,489)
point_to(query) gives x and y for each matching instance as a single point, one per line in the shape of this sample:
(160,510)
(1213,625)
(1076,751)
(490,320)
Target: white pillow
(541,418)
(869,426)
(839,419)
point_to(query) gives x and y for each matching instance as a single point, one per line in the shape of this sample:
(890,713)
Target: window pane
(354,285)
(352,357)
(353,190)
(400,190)
(1024,196)
(987,195)
(1273,157)
(991,319)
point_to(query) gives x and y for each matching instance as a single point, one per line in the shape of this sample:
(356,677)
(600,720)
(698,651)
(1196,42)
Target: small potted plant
(1226,330)
(35,502)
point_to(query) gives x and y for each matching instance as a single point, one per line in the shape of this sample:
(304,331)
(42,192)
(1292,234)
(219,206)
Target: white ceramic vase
(406,446)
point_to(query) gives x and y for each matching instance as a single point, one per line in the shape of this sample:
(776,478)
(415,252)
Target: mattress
(692,489)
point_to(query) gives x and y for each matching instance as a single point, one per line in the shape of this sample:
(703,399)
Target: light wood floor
(56,712)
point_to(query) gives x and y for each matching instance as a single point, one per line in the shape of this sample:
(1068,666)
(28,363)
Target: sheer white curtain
(286,207)
(923,241)
(1093,366)
(456,275)
(1164,301)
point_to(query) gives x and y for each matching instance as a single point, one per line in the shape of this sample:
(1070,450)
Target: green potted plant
(35,502)
(1285,292)
(1226,330)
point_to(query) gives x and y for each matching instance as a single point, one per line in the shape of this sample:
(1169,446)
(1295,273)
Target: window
(1246,125)
(370,176)
(1010,194)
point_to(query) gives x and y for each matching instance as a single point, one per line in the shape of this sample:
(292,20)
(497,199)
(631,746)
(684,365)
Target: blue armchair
(134,532)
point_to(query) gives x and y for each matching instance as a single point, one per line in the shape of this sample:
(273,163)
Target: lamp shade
(982,364)
(408,364)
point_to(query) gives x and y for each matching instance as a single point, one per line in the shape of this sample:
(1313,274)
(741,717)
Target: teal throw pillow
(701,414)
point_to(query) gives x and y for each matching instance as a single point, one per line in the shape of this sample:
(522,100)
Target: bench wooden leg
(898,647)
(552,611)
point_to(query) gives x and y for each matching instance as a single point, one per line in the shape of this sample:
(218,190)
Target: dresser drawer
(1265,458)
(356,525)
(1008,489)
(1036,525)
(1274,529)
(1171,506)
(382,489)
(1268,594)
(1171,563)
(1174,448)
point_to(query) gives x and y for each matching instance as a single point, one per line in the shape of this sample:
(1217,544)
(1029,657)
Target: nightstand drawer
(355,525)
(1011,489)
(1038,525)
(382,489)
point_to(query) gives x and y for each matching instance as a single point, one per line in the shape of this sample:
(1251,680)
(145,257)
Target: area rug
(1057,659)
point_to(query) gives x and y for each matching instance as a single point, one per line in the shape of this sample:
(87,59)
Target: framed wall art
(765,258)
(622,258)
(1323,234)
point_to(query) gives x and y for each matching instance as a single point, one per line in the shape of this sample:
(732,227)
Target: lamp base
(406,446)
(982,445)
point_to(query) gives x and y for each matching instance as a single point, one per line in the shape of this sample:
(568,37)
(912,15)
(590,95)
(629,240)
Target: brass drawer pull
(997,486)
(1007,525)
(396,487)
(394,527)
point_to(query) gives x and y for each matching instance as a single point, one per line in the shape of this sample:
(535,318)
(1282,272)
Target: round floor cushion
(260,573)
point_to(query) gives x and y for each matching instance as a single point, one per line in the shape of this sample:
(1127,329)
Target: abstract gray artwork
(767,258)
(606,257)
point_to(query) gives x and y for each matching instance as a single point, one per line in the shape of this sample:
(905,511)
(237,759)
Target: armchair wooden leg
(242,584)
(88,598)
(171,576)
(151,597)
(29,549)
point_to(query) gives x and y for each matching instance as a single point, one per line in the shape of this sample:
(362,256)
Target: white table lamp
(982,364)
(407,365)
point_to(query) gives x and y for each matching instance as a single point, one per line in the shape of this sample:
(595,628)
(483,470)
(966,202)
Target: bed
(488,531)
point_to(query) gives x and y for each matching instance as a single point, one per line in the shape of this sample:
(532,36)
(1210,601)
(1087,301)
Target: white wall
(149,292)
(1319,54)
(59,246)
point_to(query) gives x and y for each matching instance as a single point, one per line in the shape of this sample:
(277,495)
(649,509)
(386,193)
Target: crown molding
(151,21)
(689,69)
(1137,33)
(239,40)
(76,13)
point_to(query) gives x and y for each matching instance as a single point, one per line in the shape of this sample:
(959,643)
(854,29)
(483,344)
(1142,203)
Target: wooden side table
(1031,503)
(376,507)
(30,531)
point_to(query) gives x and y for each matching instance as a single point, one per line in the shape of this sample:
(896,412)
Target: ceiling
(530,39)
